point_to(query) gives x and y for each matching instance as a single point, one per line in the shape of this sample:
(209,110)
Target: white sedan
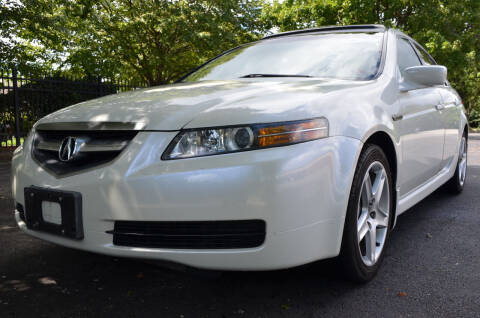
(302,146)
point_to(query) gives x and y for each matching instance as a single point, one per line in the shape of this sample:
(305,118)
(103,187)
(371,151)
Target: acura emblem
(69,148)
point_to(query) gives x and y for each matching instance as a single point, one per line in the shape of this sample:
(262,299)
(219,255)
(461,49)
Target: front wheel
(369,214)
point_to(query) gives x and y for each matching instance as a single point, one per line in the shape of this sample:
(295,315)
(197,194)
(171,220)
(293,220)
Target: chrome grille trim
(81,126)
(55,146)
(97,148)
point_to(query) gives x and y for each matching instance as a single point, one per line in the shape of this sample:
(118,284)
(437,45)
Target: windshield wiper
(274,75)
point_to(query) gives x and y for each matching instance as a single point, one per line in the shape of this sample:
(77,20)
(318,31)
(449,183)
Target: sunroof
(349,28)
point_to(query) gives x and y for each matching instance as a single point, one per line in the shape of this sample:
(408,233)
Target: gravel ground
(432,268)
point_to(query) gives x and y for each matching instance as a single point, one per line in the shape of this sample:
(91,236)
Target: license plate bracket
(71,224)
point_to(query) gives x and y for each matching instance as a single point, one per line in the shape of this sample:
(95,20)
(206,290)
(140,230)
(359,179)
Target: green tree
(27,51)
(448,29)
(154,41)
(157,41)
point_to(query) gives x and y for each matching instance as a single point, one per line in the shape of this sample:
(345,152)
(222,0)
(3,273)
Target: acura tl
(302,146)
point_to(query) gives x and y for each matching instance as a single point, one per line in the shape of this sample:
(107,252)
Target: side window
(424,55)
(406,56)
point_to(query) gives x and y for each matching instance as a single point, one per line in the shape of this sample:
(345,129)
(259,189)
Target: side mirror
(423,76)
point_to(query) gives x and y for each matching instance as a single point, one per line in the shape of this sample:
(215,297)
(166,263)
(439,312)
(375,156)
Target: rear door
(421,126)
(451,118)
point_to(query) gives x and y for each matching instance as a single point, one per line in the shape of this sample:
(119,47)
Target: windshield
(350,56)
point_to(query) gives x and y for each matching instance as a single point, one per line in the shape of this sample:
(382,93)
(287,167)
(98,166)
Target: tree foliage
(450,30)
(155,41)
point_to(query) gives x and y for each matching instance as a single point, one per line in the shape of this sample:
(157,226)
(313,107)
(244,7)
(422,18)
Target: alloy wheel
(373,213)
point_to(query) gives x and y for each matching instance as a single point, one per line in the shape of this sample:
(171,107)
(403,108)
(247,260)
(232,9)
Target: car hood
(211,103)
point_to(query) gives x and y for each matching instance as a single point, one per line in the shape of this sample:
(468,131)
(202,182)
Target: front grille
(190,234)
(97,147)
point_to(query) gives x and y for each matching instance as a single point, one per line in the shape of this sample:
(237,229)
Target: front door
(421,127)
(421,137)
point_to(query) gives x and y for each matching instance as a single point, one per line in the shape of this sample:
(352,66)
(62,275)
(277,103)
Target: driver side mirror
(416,77)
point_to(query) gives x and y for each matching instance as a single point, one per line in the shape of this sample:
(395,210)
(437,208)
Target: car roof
(333,29)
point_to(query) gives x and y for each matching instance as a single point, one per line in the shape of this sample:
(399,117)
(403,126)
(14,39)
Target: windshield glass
(350,56)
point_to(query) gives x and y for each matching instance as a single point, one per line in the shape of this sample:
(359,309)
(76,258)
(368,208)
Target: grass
(11,143)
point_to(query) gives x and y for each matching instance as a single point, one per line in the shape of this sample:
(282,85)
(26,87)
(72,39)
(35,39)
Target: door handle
(397,117)
(440,106)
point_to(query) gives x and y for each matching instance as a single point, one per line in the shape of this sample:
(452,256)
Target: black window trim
(418,48)
(414,45)
(409,41)
(406,38)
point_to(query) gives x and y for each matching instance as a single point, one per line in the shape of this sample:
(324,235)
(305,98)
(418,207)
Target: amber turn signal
(290,133)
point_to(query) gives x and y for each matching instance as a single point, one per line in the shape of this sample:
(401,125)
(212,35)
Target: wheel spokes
(373,213)
(382,219)
(378,185)
(362,225)
(367,189)
(462,165)
(371,243)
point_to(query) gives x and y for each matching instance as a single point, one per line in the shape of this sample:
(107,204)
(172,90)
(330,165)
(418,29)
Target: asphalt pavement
(431,269)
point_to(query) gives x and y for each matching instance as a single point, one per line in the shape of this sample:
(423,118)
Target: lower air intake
(190,234)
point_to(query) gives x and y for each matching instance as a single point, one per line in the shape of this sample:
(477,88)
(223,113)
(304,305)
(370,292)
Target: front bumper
(301,192)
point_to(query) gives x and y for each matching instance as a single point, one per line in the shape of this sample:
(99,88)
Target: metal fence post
(100,90)
(17,110)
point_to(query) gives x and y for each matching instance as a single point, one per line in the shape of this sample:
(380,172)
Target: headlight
(219,140)
(19,150)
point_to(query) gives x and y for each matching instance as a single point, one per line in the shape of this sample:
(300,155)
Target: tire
(456,184)
(359,256)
